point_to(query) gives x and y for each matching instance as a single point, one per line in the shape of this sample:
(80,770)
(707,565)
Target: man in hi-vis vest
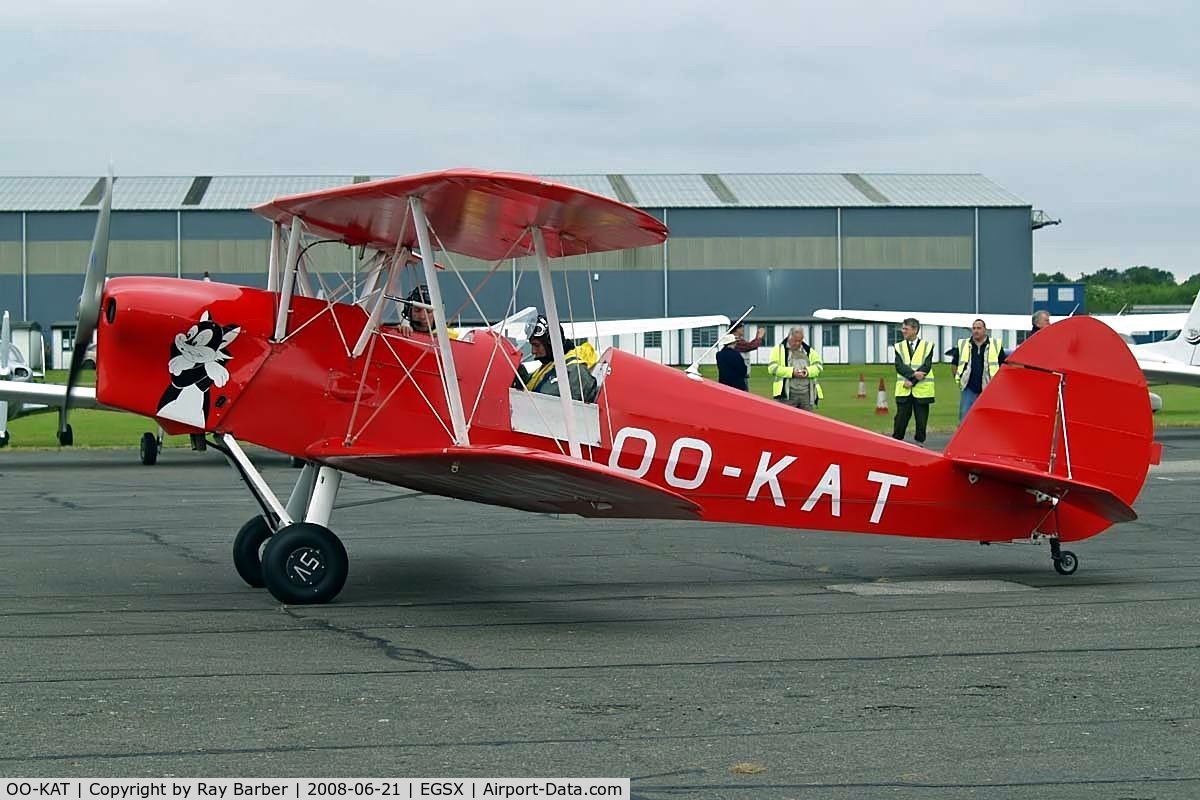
(979,359)
(914,381)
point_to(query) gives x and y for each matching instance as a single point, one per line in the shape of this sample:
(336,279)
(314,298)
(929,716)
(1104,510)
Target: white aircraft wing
(616,327)
(1127,324)
(47,394)
(1161,370)
(517,325)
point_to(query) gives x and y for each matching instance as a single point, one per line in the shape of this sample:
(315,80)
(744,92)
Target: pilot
(579,361)
(417,317)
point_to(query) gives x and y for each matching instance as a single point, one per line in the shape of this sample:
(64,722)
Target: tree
(1149,276)
(1057,277)
(1107,276)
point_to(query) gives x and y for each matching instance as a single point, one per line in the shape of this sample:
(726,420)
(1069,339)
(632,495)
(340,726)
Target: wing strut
(441,332)
(289,280)
(556,344)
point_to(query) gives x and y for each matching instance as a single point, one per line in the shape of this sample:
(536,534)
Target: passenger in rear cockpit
(579,362)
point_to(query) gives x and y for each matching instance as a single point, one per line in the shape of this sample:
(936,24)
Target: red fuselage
(740,457)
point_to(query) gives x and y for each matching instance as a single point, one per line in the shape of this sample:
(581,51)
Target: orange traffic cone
(862,388)
(881,406)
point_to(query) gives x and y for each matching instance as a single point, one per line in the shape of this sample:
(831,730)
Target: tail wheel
(304,563)
(247,550)
(66,437)
(4,438)
(1066,563)
(149,449)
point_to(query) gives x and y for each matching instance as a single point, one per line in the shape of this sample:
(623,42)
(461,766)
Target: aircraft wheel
(1066,563)
(4,438)
(66,438)
(149,449)
(247,550)
(304,563)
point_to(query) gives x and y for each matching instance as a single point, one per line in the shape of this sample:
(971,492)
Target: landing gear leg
(1065,562)
(66,436)
(250,540)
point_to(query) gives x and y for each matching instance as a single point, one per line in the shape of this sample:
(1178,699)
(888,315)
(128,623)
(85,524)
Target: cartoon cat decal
(196,366)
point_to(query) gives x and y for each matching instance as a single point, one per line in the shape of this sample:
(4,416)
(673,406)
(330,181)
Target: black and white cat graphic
(196,367)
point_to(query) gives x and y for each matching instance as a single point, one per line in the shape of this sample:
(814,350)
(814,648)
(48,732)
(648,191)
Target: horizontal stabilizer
(517,477)
(1094,499)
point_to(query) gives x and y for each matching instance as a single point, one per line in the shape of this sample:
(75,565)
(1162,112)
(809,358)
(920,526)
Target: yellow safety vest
(965,351)
(923,388)
(780,368)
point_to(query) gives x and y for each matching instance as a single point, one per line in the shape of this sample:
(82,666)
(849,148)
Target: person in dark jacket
(1041,319)
(731,366)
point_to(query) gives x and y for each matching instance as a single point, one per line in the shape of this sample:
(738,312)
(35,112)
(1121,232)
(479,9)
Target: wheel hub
(305,566)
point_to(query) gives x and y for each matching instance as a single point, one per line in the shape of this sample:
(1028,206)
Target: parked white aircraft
(20,396)
(1125,324)
(1173,360)
(1177,359)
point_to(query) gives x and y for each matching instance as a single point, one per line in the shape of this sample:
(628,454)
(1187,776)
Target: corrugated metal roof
(149,194)
(780,190)
(942,190)
(794,190)
(247,191)
(596,184)
(43,194)
(672,191)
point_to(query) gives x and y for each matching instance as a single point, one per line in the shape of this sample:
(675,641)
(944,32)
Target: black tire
(5,437)
(149,449)
(304,563)
(66,438)
(247,550)
(1066,563)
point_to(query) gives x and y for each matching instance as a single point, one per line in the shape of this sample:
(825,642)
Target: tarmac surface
(698,660)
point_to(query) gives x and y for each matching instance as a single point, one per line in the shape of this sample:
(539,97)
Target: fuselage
(742,458)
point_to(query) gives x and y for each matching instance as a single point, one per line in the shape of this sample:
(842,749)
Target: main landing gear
(289,549)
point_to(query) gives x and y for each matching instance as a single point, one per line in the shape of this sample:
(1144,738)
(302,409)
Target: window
(704,337)
(1066,294)
(1023,335)
(831,335)
(652,339)
(1041,294)
(68,339)
(894,334)
(768,335)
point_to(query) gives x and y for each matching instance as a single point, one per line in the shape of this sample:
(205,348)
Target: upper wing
(518,477)
(47,394)
(481,214)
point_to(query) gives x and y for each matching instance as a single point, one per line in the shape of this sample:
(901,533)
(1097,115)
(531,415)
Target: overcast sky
(1090,111)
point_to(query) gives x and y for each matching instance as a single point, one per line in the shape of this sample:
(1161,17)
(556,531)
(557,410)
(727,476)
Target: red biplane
(1056,450)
